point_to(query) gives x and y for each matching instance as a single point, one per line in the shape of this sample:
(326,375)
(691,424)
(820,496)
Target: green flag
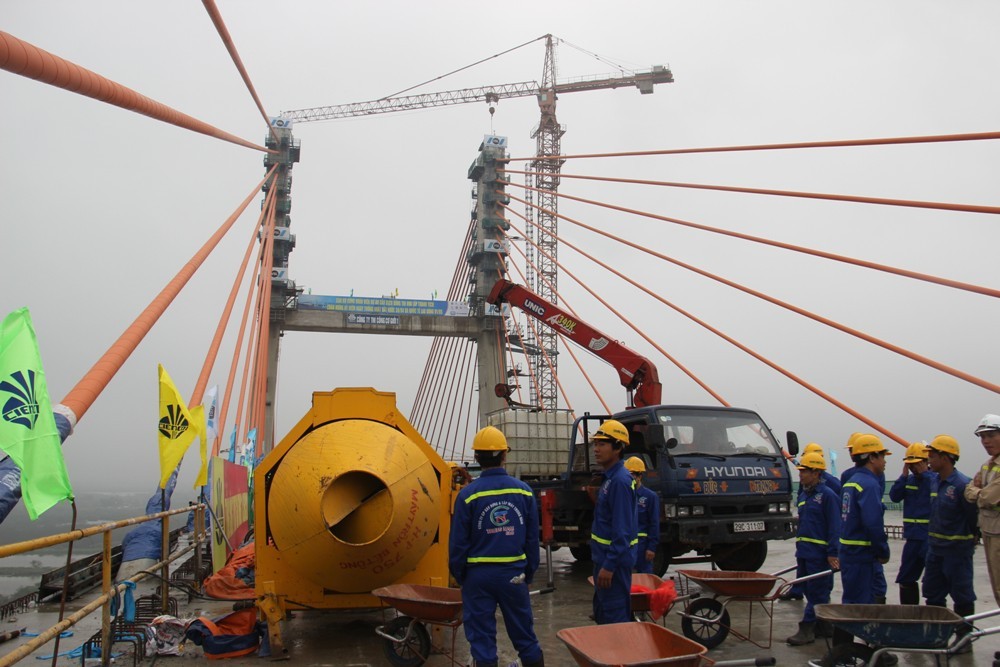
(28,430)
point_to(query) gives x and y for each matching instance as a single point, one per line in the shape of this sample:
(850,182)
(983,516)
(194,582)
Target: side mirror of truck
(793,442)
(671,443)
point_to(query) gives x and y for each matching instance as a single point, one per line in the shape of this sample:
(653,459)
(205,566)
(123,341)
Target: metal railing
(109,591)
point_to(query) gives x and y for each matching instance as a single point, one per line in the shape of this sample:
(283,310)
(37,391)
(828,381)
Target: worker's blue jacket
(495,522)
(850,472)
(648,522)
(915,494)
(862,530)
(819,523)
(832,482)
(613,534)
(954,519)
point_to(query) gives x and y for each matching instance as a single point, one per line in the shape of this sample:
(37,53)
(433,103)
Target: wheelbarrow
(638,645)
(706,619)
(406,640)
(902,628)
(641,600)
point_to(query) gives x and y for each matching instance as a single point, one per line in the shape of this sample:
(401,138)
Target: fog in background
(101,207)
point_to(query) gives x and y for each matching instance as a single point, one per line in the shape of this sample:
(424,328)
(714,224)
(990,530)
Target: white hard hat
(988,423)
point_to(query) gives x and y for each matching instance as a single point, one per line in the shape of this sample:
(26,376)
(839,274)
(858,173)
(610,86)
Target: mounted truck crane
(725,488)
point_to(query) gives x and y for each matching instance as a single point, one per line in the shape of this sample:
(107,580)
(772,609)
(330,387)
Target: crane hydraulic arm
(643,80)
(636,373)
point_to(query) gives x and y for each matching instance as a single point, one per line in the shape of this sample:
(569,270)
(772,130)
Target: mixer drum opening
(357,508)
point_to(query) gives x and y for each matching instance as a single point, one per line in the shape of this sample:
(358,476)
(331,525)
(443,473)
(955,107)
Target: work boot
(909,593)
(880,600)
(824,629)
(967,609)
(805,635)
(537,663)
(790,596)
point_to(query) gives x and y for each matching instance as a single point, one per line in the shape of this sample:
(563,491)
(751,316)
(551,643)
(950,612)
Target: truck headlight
(683,511)
(698,510)
(670,510)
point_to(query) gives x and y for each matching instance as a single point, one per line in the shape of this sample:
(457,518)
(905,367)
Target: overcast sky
(101,207)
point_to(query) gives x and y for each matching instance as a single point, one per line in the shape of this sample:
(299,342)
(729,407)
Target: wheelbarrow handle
(785,571)
(981,615)
(543,591)
(745,661)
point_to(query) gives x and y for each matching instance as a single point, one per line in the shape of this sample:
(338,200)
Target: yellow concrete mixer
(352,499)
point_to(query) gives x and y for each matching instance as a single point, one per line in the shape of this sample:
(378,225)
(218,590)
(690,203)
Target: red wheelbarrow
(406,640)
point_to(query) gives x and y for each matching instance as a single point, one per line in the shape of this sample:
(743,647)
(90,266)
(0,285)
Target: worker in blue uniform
(913,489)
(817,541)
(881,585)
(952,533)
(864,546)
(648,521)
(493,555)
(797,591)
(614,532)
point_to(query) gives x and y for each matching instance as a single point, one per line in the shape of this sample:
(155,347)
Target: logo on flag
(175,424)
(22,407)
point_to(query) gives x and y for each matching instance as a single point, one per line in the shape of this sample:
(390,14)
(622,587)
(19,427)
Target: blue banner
(383,306)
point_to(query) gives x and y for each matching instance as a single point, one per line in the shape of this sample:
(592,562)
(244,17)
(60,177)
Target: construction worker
(913,489)
(817,541)
(797,591)
(614,530)
(952,534)
(984,491)
(648,517)
(493,554)
(881,586)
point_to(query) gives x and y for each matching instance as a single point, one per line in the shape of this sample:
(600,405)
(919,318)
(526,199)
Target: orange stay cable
(235,362)
(977,136)
(220,27)
(261,365)
(20,57)
(854,413)
(624,319)
(946,282)
(454,434)
(944,368)
(227,311)
(82,396)
(944,206)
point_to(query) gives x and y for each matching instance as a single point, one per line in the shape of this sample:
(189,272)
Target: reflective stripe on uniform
(811,539)
(495,559)
(856,543)
(600,540)
(854,485)
(916,520)
(952,537)
(496,492)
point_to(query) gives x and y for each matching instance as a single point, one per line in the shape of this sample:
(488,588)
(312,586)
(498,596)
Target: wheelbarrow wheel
(851,655)
(710,625)
(406,651)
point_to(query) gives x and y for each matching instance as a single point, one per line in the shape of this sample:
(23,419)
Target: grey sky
(101,207)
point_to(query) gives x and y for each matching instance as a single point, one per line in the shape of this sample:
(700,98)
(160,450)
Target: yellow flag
(177,427)
(198,414)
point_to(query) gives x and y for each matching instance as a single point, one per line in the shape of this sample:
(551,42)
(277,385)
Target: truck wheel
(581,553)
(749,556)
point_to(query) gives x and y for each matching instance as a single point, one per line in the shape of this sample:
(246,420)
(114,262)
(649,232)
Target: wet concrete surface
(348,638)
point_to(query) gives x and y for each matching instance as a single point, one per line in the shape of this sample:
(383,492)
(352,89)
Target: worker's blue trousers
(484,588)
(911,563)
(949,573)
(614,604)
(817,591)
(857,578)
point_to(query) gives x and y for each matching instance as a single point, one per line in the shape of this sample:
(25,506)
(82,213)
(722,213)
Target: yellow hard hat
(946,444)
(915,453)
(813,447)
(866,443)
(612,430)
(635,464)
(489,439)
(812,461)
(850,442)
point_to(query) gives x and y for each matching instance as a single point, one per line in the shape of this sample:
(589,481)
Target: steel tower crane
(542,228)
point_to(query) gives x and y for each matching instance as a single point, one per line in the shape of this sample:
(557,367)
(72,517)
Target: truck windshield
(720,432)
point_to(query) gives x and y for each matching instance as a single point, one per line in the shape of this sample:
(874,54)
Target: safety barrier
(109,591)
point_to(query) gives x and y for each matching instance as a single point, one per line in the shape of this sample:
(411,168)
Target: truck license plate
(748,526)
